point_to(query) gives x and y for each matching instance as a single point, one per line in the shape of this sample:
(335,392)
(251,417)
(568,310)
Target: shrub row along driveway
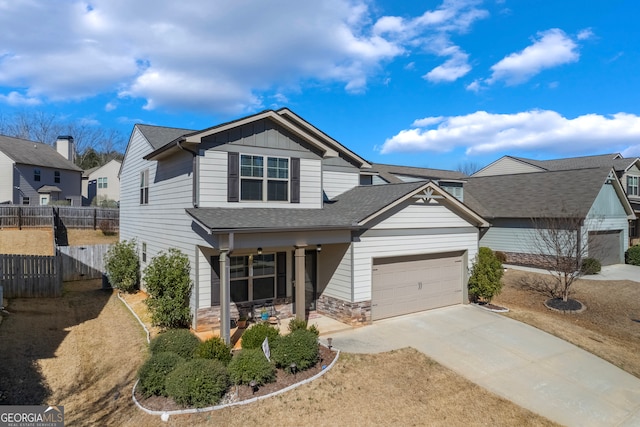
(83,350)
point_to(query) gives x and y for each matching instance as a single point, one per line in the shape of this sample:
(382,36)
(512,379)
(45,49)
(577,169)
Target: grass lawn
(83,350)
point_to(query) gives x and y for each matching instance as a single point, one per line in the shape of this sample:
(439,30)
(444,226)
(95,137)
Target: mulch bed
(244,392)
(568,306)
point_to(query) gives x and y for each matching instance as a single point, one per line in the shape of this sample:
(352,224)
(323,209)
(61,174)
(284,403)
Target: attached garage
(402,285)
(606,246)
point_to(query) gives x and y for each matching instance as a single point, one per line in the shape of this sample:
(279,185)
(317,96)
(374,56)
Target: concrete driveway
(534,369)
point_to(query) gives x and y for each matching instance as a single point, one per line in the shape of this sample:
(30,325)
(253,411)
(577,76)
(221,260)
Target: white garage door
(606,246)
(403,285)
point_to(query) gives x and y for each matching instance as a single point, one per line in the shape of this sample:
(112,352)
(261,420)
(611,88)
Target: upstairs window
(632,186)
(102,182)
(36,174)
(56,177)
(144,187)
(260,183)
(25,200)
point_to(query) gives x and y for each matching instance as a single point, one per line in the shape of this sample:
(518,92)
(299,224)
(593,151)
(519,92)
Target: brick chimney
(66,147)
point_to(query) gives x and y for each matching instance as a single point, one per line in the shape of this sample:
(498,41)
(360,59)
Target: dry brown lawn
(27,242)
(40,241)
(608,328)
(83,350)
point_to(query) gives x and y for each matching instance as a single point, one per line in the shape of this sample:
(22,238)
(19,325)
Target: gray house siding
(506,166)
(7,182)
(70,184)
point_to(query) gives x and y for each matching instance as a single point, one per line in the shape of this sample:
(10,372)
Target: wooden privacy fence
(12,216)
(82,262)
(24,276)
(26,216)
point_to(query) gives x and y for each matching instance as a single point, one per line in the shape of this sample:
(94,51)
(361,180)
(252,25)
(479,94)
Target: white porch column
(225,298)
(300,282)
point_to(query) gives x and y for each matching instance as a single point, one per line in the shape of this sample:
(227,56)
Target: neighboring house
(514,202)
(451,181)
(32,173)
(269,209)
(102,182)
(627,170)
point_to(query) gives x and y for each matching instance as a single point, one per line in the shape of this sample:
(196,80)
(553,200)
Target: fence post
(19,218)
(95,220)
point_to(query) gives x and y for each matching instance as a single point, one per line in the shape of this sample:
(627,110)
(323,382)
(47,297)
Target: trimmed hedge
(214,348)
(632,256)
(154,371)
(300,347)
(590,266)
(198,382)
(179,341)
(255,335)
(251,365)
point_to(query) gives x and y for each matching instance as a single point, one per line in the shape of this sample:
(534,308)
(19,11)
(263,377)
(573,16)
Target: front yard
(608,328)
(83,351)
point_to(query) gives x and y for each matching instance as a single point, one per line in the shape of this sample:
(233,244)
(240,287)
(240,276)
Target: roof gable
(33,153)
(327,146)
(507,165)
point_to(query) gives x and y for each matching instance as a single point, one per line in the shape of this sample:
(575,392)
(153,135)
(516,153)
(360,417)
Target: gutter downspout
(194,167)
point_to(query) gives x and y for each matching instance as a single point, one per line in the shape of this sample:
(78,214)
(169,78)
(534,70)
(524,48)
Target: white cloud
(482,132)
(454,68)
(585,34)
(552,48)
(16,99)
(222,57)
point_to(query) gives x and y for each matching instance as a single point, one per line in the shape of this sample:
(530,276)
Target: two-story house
(101,182)
(268,208)
(32,173)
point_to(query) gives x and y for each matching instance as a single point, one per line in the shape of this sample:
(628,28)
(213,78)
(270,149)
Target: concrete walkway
(531,368)
(608,272)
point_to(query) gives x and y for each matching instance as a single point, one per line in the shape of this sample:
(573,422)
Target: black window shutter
(281,275)
(215,280)
(295,180)
(233,177)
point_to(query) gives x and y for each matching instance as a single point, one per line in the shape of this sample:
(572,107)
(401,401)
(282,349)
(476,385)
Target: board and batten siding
(507,166)
(335,183)
(7,184)
(213,184)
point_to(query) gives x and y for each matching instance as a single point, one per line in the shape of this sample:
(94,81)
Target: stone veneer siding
(351,313)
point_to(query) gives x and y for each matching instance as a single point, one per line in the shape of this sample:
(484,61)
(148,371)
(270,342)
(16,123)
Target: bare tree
(468,168)
(560,246)
(90,139)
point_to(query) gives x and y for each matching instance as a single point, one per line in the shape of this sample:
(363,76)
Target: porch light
(319,248)
(259,251)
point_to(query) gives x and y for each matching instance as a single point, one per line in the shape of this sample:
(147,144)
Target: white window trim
(265,179)
(636,185)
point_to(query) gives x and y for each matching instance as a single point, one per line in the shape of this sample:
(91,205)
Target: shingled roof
(344,211)
(389,173)
(556,194)
(33,153)
(614,160)
(159,136)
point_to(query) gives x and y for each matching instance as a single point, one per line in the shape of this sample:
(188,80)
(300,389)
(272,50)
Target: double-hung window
(36,175)
(632,186)
(144,187)
(102,182)
(264,178)
(56,177)
(252,277)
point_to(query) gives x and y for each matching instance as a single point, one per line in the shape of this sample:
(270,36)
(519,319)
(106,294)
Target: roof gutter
(194,168)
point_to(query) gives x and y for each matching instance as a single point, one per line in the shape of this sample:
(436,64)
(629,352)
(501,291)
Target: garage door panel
(402,287)
(606,246)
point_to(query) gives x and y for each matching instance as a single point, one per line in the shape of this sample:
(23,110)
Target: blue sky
(432,83)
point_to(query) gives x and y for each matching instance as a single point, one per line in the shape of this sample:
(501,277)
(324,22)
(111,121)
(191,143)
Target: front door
(310,279)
